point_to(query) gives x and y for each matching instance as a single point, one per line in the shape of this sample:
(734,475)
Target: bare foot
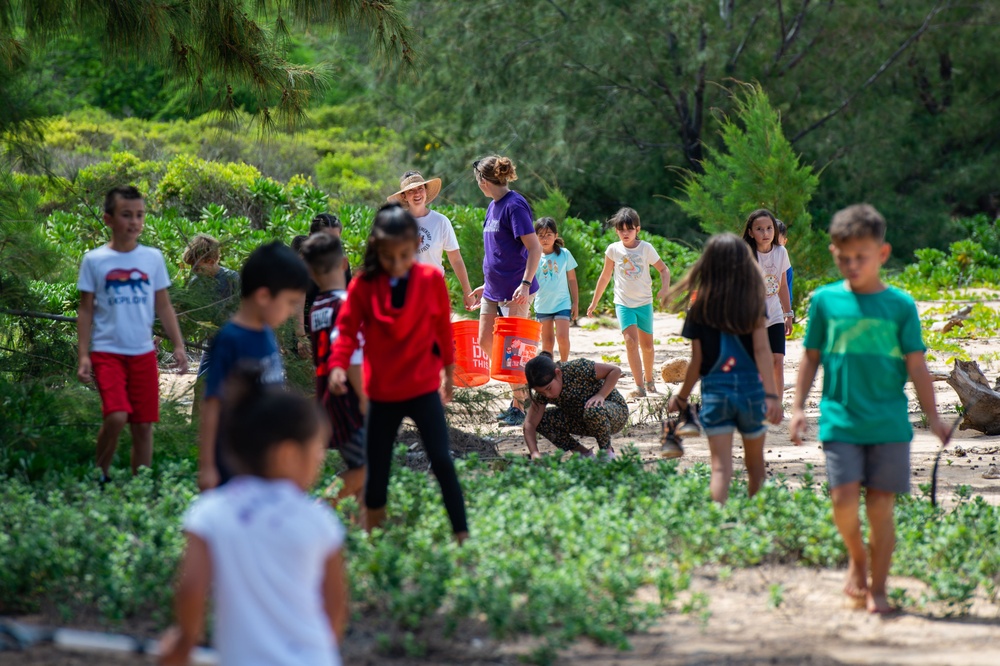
(856,586)
(878,604)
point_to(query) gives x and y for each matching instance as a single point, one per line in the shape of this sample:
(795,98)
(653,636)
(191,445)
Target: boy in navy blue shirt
(273,286)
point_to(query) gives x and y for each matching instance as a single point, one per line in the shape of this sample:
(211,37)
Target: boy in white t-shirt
(629,260)
(123,287)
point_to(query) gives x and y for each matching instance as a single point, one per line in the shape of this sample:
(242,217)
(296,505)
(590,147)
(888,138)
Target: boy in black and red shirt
(324,255)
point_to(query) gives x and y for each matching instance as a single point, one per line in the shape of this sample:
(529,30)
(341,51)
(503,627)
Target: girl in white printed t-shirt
(760,233)
(271,556)
(437,236)
(629,260)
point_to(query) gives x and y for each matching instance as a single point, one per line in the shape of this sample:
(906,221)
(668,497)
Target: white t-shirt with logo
(437,236)
(269,543)
(773,265)
(633,283)
(124,285)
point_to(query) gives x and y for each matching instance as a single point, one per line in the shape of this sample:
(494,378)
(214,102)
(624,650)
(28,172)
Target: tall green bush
(758,168)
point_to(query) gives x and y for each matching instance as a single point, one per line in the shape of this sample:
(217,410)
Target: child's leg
(548,336)
(383,423)
(753,459)
(428,414)
(107,439)
(882,541)
(562,335)
(845,516)
(631,335)
(142,446)
(721,449)
(646,346)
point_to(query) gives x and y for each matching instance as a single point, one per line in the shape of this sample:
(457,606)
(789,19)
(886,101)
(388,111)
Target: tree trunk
(980,401)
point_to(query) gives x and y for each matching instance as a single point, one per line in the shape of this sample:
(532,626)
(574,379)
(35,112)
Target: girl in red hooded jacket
(403,310)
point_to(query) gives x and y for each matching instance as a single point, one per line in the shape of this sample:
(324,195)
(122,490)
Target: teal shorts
(641,316)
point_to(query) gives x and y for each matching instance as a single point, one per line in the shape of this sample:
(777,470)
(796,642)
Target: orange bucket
(472,368)
(515,342)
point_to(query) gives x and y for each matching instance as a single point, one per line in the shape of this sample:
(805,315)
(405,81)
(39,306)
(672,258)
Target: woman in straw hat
(437,236)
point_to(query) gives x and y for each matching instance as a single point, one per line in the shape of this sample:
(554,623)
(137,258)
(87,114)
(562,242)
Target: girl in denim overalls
(731,354)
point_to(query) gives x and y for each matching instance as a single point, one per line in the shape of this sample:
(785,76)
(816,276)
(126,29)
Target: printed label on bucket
(517,352)
(479,360)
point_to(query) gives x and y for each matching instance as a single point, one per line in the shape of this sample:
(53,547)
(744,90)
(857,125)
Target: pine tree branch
(882,69)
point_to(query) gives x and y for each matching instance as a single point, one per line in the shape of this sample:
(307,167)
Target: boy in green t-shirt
(867,336)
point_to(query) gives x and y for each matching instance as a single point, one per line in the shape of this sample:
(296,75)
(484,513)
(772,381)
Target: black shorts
(353,450)
(776,336)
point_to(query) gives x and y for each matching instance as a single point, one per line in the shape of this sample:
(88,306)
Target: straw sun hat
(413,181)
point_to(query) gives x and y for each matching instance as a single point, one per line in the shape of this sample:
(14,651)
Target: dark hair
(550,224)
(496,169)
(857,222)
(273,266)
(751,218)
(325,221)
(323,253)
(258,416)
(120,192)
(392,222)
(780,229)
(298,242)
(730,288)
(540,370)
(625,218)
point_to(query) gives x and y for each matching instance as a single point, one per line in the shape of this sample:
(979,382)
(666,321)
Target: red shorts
(128,384)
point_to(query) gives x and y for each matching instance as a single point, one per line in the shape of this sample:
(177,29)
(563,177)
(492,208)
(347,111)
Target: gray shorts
(883,467)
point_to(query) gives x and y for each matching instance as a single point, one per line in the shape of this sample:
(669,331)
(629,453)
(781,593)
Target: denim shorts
(879,466)
(564,315)
(642,317)
(733,403)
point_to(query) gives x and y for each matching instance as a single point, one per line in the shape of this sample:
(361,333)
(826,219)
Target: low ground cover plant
(560,549)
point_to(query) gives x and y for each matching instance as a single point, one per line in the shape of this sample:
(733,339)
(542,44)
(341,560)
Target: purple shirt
(506,257)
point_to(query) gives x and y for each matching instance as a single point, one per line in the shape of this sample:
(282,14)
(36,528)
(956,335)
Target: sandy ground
(740,625)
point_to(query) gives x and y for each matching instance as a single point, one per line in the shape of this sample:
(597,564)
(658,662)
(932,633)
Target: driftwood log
(981,402)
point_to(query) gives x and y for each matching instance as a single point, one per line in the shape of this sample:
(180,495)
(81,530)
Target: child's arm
(679,400)
(348,326)
(765,366)
(531,420)
(786,305)
(917,369)
(84,325)
(446,341)
(574,293)
(208,473)
(458,265)
(335,594)
(165,311)
(602,284)
(610,374)
(189,603)
(807,375)
(663,294)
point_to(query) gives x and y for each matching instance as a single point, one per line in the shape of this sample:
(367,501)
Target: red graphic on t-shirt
(119,278)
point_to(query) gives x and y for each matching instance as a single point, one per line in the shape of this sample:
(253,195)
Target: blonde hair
(496,169)
(201,248)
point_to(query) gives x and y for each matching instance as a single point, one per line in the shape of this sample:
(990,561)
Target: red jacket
(405,348)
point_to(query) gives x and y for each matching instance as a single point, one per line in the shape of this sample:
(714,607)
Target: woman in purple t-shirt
(510,260)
